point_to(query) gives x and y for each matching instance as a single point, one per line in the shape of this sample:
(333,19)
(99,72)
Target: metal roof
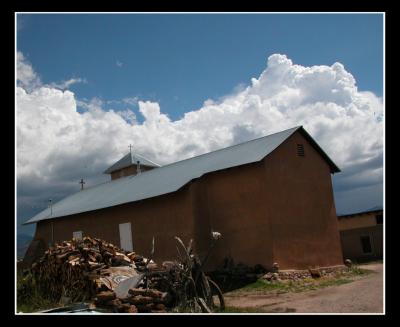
(168,178)
(350,215)
(128,160)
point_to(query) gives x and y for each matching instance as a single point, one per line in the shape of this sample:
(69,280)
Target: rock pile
(303,274)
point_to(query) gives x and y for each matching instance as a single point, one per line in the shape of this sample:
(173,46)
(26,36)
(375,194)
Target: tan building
(271,199)
(361,235)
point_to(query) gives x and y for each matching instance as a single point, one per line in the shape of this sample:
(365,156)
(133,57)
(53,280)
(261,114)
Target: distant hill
(378,207)
(23,241)
(375,208)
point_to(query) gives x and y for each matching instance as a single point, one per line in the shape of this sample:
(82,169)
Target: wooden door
(125,236)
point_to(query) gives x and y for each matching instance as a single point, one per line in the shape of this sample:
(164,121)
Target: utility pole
(51,207)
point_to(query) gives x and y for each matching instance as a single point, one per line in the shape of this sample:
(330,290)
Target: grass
(28,299)
(340,278)
(37,304)
(356,271)
(265,287)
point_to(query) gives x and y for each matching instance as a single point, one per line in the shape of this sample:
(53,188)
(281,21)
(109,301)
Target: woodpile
(95,271)
(86,270)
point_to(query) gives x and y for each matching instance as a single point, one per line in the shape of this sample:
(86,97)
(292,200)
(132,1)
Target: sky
(178,85)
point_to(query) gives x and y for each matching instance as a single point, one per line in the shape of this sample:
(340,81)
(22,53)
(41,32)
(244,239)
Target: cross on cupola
(82,182)
(130,164)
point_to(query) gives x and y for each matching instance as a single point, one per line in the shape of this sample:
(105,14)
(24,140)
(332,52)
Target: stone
(348,263)
(267,276)
(315,273)
(275,276)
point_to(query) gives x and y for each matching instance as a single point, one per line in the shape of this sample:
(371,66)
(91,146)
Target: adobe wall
(360,221)
(164,217)
(352,247)
(300,207)
(232,202)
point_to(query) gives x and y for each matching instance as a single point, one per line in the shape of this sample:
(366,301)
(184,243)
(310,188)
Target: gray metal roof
(128,160)
(168,178)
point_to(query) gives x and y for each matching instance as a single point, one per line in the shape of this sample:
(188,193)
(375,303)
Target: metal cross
(130,148)
(82,182)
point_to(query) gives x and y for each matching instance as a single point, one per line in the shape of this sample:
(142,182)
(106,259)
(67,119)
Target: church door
(125,236)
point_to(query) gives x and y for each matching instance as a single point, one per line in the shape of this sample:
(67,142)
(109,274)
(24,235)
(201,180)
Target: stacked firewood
(76,270)
(112,280)
(137,300)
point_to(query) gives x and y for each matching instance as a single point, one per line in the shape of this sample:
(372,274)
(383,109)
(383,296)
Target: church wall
(162,217)
(280,209)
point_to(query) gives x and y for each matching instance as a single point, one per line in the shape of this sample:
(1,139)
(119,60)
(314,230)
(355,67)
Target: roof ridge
(231,146)
(139,155)
(176,162)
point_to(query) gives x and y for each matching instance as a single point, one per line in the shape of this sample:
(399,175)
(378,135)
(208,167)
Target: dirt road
(363,295)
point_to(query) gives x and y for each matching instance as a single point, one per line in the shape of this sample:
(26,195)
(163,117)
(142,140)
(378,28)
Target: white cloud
(128,115)
(58,145)
(66,84)
(133,101)
(119,64)
(26,77)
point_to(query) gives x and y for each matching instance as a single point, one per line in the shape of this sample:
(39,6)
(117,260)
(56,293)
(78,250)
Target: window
(366,244)
(300,150)
(77,235)
(379,219)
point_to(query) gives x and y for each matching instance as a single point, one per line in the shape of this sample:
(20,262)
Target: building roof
(350,215)
(128,160)
(170,178)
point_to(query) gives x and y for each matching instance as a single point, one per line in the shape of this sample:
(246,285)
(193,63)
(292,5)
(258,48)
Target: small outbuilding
(361,234)
(271,199)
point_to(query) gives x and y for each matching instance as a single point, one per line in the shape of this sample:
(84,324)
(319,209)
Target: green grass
(28,299)
(356,271)
(340,278)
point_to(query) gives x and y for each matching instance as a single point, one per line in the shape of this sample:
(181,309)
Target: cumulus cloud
(57,145)
(26,77)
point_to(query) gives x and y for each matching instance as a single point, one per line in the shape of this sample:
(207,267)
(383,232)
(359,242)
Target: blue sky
(182,60)
(155,71)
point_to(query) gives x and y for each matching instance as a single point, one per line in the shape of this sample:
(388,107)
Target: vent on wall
(300,150)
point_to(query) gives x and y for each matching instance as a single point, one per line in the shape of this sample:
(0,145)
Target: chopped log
(105,296)
(149,292)
(159,306)
(140,300)
(114,303)
(132,309)
(145,307)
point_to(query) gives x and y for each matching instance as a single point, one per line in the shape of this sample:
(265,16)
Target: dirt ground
(363,295)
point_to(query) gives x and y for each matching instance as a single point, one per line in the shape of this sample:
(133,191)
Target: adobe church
(271,199)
